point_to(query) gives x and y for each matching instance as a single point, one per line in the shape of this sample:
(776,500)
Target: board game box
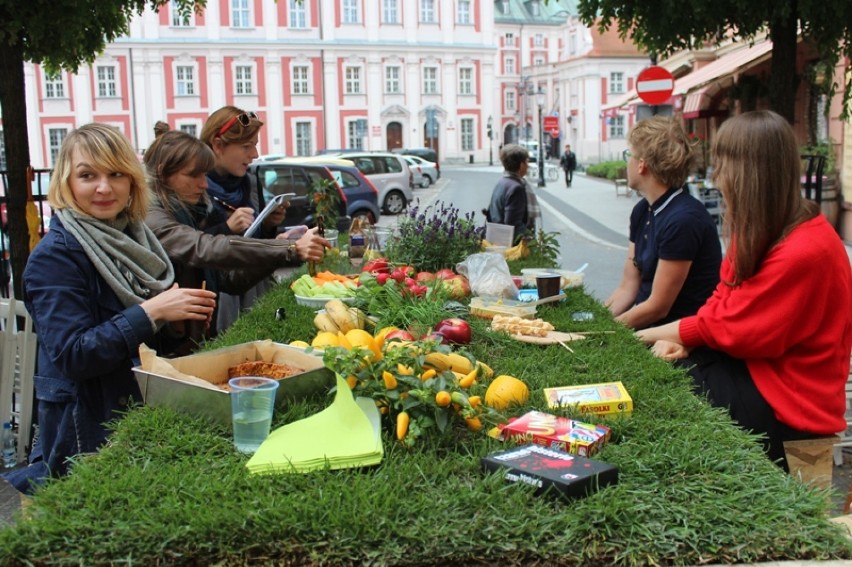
(554,432)
(602,399)
(569,475)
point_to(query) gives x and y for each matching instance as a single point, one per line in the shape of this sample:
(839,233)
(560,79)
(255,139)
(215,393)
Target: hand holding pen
(240,218)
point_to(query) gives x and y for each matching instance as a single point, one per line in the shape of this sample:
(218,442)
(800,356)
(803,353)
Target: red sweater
(791,323)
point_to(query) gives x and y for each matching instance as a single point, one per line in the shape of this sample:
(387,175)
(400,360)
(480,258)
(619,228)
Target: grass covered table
(692,489)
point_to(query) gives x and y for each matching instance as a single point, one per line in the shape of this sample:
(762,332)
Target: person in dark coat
(509,203)
(97,286)
(568,162)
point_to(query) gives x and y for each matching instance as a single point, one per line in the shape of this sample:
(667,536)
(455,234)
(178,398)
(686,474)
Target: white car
(417,178)
(390,174)
(428,170)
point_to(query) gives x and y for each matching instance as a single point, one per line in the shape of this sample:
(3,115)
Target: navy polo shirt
(676,226)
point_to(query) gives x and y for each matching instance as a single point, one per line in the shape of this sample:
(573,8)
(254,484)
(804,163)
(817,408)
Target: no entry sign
(654,85)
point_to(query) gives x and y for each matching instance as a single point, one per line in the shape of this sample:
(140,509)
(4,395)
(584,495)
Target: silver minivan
(391,176)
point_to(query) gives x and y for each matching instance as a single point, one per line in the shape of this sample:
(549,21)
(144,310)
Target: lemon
(361,338)
(505,391)
(324,339)
(300,344)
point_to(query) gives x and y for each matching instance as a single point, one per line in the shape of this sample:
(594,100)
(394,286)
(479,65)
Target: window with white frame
(466,134)
(351,11)
(106,81)
(299,83)
(510,65)
(430,80)
(511,101)
(191,129)
(427,11)
(390,11)
(572,44)
(55,136)
(535,7)
(465,81)
(538,61)
(304,139)
(616,127)
(243,81)
(354,141)
(298,14)
(54,87)
(352,83)
(240,14)
(184,80)
(392,82)
(509,39)
(2,152)
(463,12)
(179,20)
(538,39)
(616,83)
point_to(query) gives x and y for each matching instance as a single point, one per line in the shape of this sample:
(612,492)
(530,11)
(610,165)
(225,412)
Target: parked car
(337,151)
(361,195)
(416,173)
(391,176)
(429,170)
(426,153)
(269,178)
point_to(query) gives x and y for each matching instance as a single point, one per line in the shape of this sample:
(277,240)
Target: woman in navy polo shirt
(674,254)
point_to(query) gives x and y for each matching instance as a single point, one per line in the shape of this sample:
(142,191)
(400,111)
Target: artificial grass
(693,488)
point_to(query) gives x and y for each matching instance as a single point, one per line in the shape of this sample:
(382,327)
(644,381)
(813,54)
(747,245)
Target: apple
(399,335)
(445,274)
(458,286)
(455,330)
(425,277)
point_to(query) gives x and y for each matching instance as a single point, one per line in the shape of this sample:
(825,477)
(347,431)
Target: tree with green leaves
(672,25)
(60,35)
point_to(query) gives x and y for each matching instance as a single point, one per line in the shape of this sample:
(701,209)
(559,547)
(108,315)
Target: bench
(621,185)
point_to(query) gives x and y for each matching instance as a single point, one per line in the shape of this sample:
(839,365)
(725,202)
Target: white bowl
(319,302)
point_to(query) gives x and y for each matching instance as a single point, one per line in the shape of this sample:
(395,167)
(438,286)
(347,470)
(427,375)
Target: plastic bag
(488,275)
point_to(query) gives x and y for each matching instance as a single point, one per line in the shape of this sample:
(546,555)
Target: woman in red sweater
(772,343)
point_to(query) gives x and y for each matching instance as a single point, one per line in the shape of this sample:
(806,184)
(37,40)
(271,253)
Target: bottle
(10,458)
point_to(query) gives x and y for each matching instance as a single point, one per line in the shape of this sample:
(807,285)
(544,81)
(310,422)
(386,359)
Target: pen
(228,206)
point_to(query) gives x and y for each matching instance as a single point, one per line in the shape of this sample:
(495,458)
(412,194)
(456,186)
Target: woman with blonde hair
(197,237)
(98,285)
(772,343)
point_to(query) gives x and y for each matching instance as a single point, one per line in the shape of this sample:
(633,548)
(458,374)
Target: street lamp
(540,96)
(490,137)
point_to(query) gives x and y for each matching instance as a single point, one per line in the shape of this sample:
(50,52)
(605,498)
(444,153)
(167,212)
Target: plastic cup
(252,404)
(332,236)
(548,284)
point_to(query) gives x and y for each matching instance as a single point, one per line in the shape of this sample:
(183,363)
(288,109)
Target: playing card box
(551,469)
(555,432)
(609,398)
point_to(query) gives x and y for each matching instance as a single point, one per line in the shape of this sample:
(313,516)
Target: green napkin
(345,434)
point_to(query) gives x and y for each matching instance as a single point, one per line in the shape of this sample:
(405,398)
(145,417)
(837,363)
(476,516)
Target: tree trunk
(13,104)
(782,73)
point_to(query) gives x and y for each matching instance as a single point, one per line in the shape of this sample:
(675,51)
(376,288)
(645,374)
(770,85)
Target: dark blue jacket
(87,345)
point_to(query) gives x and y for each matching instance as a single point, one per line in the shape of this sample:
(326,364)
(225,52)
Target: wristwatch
(292,255)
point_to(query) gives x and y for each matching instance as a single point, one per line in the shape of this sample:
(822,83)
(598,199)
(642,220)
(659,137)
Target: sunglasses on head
(243,118)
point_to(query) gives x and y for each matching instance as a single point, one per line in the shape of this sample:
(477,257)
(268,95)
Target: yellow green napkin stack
(345,434)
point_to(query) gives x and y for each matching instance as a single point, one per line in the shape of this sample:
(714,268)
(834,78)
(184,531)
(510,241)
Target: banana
(437,360)
(359,318)
(459,363)
(339,313)
(324,323)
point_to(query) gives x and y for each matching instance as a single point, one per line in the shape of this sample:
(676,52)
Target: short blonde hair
(664,146)
(106,148)
(236,134)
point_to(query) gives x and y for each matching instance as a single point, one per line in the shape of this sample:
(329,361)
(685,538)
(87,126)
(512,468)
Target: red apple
(399,335)
(445,274)
(458,286)
(425,276)
(455,330)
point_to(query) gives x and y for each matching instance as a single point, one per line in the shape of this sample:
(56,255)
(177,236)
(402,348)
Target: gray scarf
(127,255)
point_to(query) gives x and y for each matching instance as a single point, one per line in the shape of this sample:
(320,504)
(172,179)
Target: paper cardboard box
(193,383)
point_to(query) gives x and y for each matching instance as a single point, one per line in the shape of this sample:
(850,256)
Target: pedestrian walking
(568,162)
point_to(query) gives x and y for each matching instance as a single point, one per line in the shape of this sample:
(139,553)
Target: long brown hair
(169,154)
(758,169)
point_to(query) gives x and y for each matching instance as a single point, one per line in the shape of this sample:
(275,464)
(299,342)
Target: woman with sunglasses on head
(98,285)
(771,345)
(232,134)
(196,237)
